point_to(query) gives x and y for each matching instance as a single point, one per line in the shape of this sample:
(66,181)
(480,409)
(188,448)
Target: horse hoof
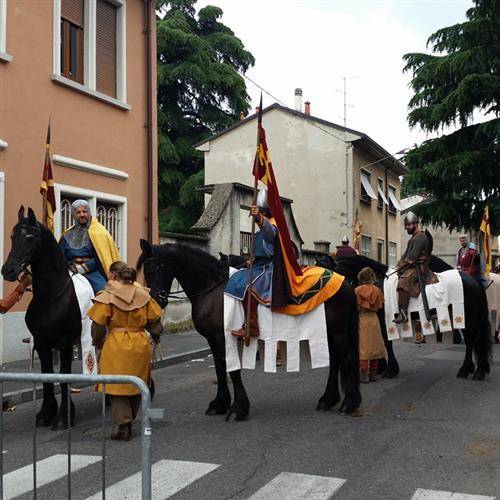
(44,422)
(478,376)
(388,374)
(462,373)
(216,411)
(240,418)
(322,406)
(60,425)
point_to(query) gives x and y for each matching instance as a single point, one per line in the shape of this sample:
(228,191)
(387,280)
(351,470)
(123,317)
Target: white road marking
(299,487)
(421,494)
(20,481)
(168,477)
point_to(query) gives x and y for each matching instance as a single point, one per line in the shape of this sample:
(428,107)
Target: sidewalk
(174,348)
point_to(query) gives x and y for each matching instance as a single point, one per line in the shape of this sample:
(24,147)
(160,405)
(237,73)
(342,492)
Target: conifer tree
(457,87)
(199,92)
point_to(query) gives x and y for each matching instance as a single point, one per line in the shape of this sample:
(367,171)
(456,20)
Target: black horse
(203,279)
(53,316)
(477,327)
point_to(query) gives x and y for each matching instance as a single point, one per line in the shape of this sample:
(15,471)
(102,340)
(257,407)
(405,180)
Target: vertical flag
(263,171)
(47,188)
(486,234)
(357,233)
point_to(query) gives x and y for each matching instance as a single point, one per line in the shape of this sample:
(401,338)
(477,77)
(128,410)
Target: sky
(313,44)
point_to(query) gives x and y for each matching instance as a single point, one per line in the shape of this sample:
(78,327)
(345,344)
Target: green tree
(199,92)
(454,85)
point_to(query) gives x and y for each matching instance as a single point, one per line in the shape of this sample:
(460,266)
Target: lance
(252,235)
(424,294)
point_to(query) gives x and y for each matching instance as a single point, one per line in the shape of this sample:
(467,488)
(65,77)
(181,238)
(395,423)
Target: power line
(260,87)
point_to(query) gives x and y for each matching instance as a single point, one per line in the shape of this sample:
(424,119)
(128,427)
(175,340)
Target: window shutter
(106,48)
(72,10)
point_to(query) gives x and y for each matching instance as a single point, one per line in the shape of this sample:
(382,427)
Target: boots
(364,369)
(400,317)
(373,370)
(254,320)
(123,433)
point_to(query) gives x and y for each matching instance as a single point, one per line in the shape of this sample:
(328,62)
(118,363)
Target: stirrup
(400,318)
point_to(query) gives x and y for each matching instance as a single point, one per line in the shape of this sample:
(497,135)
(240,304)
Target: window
(366,246)
(393,248)
(393,200)
(366,190)
(245,243)
(90,47)
(72,15)
(381,199)
(380,250)
(107,215)
(3,32)
(106,47)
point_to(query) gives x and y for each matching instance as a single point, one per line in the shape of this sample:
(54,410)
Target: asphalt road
(425,430)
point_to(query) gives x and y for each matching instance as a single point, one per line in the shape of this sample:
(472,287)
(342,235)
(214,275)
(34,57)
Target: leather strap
(129,329)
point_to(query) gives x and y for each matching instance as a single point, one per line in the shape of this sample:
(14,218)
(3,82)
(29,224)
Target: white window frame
(4,57)
(93,197)
(380,192)
(393,196)
(392,263)
(366,236)
(89,54)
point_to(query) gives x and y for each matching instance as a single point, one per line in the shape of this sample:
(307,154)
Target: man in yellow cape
(88,247)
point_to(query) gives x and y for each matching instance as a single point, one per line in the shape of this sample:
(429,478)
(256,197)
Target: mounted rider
(414,262)
(262,269)
(88,247)
(346,249)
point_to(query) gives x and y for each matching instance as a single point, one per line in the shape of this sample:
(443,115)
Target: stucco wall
(309,165)
(371,216)
(83,128)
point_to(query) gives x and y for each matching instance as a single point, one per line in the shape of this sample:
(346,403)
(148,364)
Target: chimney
(298,99)
(307,109)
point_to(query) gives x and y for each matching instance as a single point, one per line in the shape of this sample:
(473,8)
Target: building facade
(333,174)
(89,67)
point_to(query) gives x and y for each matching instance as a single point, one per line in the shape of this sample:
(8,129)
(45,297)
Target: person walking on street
(371,344)
(126,311)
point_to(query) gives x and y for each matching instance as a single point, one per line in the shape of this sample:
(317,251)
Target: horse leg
(222,401)
(48,412)
(331,395)
(62,417)
(389,368)
(241,404)
(468,365)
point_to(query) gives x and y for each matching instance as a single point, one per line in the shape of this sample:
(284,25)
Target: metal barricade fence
(147,414)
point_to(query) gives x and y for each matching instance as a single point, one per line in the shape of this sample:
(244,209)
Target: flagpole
(252,235)
(46,191)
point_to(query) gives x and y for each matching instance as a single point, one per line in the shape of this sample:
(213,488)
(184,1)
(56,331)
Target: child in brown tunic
(371,344)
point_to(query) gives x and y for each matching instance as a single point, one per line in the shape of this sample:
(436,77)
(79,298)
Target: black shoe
(123,433)
(400,318)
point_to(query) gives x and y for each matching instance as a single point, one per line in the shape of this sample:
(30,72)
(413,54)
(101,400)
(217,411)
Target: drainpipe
(386,189)
(148,11)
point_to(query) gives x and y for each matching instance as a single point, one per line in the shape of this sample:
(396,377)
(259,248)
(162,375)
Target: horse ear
(20,214)
(31,216)
(146,248)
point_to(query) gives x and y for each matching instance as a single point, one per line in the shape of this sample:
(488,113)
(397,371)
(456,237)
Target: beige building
(89,65)
(331,173)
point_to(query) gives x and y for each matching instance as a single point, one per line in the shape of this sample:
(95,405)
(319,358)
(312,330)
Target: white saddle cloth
(448,291)
(85,294)
(276,327)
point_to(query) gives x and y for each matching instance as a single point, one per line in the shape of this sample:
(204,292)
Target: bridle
(24,266)
(163,295)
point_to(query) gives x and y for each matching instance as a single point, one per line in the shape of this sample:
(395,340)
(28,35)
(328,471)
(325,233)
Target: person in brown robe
(371,344)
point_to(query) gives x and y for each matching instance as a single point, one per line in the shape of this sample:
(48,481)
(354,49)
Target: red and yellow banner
(485,228)
(47,188)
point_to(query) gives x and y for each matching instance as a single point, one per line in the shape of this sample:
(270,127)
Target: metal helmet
(410,218)
(262,198)
(345,239)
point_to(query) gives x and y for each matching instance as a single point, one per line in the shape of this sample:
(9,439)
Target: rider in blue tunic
(262,270)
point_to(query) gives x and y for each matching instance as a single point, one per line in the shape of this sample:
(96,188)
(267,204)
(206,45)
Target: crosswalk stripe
(294,486)
(421,494)
(168,477)
(20,481)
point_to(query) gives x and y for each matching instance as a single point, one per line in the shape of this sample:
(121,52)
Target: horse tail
(349,367)
(483,339)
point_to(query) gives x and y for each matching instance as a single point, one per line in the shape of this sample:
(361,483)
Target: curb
(14,398)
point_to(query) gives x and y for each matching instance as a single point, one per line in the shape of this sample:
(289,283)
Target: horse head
(26,242)
(157,274)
